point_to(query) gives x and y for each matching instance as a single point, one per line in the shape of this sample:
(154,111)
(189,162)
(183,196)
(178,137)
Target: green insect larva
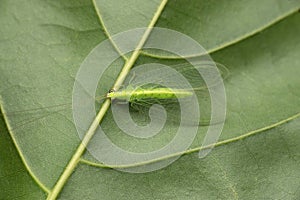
(132,95)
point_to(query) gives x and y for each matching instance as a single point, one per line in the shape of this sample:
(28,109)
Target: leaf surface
(41,51)
(16,181)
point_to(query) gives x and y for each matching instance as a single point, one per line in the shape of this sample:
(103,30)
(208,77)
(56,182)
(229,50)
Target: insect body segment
(132,95)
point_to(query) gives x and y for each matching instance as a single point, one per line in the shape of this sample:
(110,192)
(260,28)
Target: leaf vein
(11,133)
(193,150)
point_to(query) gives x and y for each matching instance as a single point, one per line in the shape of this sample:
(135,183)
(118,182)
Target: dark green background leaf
(16,182)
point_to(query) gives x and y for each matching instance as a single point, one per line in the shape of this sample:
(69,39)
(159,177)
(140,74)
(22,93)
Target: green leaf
(43,44)
(40,54)
(214,24)
(16,182)
(119,16)
(261,167)
(217,24)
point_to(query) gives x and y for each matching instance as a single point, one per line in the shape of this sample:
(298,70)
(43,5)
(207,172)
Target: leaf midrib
(89,134)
